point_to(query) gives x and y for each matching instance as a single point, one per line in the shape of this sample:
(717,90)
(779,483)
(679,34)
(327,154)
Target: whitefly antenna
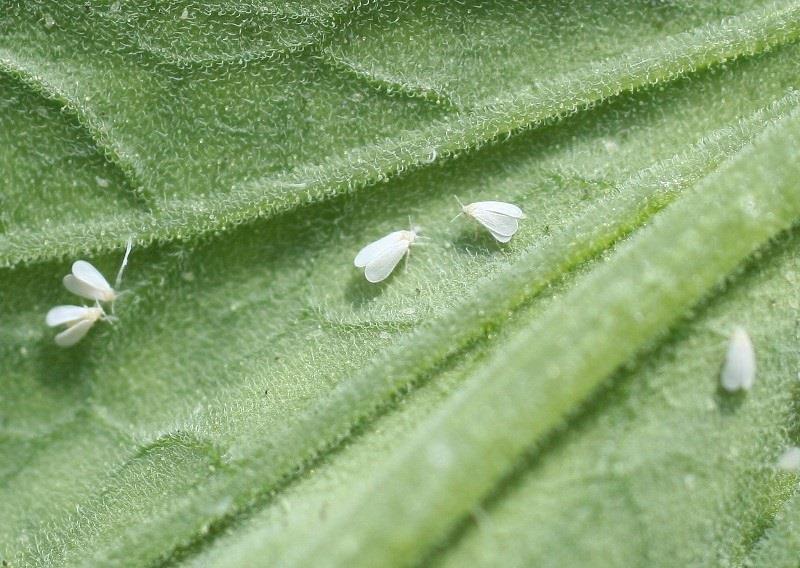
(416,229)
(461,205)
(118,280)
(128,248)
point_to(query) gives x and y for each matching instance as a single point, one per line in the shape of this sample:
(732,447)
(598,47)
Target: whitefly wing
(82,289)
(501,238)
(497,223)
(74,333)
(68,315)
(382,265)
(501,207)
(87,282)
(739,369)
(378,248)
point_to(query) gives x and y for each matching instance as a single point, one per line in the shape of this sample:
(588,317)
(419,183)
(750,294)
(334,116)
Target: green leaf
(549,402)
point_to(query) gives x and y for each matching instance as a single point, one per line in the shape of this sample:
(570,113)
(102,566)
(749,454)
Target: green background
(550,402)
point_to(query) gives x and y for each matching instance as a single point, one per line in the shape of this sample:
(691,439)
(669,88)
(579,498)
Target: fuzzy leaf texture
(550,402)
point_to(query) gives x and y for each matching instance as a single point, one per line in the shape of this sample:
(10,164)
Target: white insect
(790,460)
(87,282)
(78,319)
(379,259)
(739,369)
(500,218)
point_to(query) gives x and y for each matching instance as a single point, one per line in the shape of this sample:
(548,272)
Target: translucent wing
(501,207)
(87,282)
(382,265)
(501,238)
(375,250)
(82,289)
(74,333)
(498,224)
(739,370)
(65,315)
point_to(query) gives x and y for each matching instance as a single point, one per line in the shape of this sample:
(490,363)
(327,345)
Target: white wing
(739,370)
(87,282)
(82,289)
(381,266)
(65,315)
(501,207)
(375,250)
(74,334)
(498,224)
(501,238)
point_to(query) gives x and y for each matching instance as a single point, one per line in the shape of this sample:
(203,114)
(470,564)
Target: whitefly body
(379,259)
(500,218)
(87,282)
(77,319)
(739,369)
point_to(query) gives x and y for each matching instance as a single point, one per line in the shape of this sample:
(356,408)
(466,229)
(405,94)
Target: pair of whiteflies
(379,259)
(87,282)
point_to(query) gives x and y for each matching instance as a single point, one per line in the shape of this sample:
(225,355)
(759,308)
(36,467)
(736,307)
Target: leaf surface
(536,403)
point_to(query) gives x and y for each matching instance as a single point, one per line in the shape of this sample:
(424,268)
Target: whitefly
(87,282)
(78,320)
(739,368)
(379,258)
(501,219)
